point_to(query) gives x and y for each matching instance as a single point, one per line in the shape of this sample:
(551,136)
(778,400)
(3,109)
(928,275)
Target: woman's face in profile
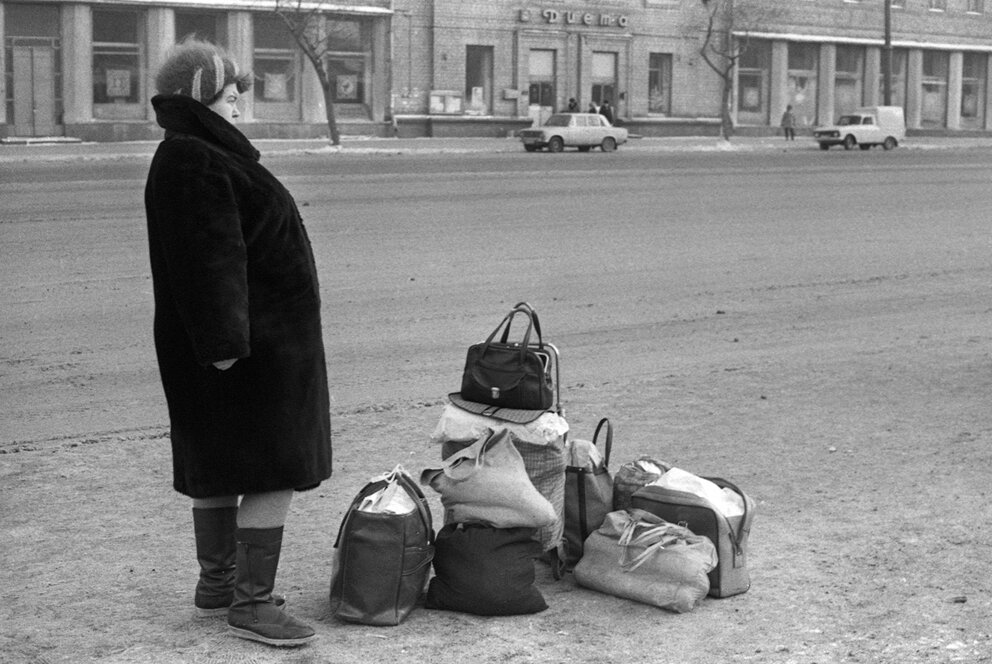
(226,105)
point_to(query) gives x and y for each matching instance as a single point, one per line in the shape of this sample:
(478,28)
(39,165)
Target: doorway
(541,103)
(34,90)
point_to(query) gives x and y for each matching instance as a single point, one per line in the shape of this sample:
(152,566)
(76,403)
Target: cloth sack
(632,475)
(514,375)
(457,425)
(487,483)
(588,489)
(383,552)
(639,556)
(486,571)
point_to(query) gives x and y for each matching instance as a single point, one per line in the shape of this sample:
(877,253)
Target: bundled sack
(588,489)
(514,375)
(638,556)
(383,552)
(457,425)
(711,507)
(632,476)
(487,483)
(485,571)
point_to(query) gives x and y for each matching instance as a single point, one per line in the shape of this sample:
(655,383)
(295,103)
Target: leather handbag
(487,483)
(506,374)
(383,552)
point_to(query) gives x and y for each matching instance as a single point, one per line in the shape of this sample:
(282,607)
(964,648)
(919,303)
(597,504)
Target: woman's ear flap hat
(199,70)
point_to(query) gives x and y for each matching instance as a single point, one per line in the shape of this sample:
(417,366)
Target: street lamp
(887,55)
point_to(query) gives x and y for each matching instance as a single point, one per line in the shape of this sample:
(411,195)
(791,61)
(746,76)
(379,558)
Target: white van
(872,125)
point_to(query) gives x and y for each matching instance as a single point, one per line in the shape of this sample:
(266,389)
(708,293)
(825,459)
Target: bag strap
(737,537)
(532,314)
(609,438)
(507,321)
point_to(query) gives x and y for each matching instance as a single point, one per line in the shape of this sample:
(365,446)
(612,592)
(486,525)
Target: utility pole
(887,56)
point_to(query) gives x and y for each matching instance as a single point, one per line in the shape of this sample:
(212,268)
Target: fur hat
(200,70)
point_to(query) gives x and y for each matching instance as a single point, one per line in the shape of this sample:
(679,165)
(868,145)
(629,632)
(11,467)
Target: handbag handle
(738,537)
(408,485)
(507,321)
(526,308)
(477,460)
(609,438)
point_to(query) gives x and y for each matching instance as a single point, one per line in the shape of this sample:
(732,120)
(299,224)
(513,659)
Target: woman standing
(238,338)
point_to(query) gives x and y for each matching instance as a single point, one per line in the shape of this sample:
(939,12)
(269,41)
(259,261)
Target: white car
(581,130)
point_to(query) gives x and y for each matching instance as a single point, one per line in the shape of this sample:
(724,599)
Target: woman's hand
(224,365)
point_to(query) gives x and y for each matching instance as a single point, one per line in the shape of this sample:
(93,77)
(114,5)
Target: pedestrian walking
(592,108)
(573,105)
(789,124)
(238,338)
(606,110)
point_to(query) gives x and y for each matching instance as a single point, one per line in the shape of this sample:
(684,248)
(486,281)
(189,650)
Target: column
(988,93)
(161,29)
(77,64)
(778,88)
(914,88)
(873,76)
(954,74)
(381,57)
(240,46)
(3,67)
(827,79)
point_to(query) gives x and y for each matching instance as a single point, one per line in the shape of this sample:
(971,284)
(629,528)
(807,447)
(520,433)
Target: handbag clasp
(495,392)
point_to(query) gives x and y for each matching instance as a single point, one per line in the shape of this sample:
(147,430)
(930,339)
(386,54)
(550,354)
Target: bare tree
(306,22)
(726,27)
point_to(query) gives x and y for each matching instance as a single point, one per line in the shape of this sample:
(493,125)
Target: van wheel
(824,146)
(849,142)
(889,143)
(556,144)
(865,146)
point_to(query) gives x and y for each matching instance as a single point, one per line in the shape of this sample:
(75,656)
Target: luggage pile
(514,488)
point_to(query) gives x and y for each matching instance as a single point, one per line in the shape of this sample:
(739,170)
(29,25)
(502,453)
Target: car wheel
(889,143)
(530,148)
(865,146)
(824,146)
(584,148)
(849,142)
(556,144)
(609,144)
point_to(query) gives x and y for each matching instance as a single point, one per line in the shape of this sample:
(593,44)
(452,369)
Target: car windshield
(849,120)
(558,121)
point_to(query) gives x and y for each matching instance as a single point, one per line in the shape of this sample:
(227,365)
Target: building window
(541,90)
(849,79)
(934,109)
(660,83)
(479,80)
(938,5)
(976,6)
(973,85)
(276,68)
(118,38)
(752,82)
(205,26)
(802,81)
(897,78)
(604,78)
(347,61)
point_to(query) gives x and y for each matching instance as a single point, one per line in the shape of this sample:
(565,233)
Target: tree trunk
(332,123)
(726,117)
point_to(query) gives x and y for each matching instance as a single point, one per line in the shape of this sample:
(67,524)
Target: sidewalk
(16,152)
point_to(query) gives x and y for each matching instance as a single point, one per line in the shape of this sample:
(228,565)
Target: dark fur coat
(234,277)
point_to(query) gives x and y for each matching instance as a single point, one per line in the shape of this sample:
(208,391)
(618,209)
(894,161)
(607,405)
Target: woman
(238,339)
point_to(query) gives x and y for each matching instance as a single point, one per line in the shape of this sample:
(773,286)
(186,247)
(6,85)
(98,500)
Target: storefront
(86,70)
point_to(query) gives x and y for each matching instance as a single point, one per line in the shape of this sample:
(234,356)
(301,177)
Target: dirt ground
(854,411)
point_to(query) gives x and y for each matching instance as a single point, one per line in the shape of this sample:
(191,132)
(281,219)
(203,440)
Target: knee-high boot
(215,550)
(254,614)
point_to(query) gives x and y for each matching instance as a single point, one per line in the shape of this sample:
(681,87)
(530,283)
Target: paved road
(420,254)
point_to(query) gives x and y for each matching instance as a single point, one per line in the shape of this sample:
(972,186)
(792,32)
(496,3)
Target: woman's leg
(254,613)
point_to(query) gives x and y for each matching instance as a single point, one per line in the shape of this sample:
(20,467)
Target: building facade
(487,67)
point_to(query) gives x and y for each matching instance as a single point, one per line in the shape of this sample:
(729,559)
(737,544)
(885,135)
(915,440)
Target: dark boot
(215,550)
(254,614)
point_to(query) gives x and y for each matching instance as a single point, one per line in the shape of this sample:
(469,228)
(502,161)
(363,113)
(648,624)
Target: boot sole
(252,636)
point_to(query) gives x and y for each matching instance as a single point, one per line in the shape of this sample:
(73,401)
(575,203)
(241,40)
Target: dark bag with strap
(511,374)
(588,492)
(382,558)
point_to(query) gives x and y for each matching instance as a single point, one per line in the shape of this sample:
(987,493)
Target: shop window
(542,78)
(973,84)
(118,52)
(479,80)
(660,83)
(345,36)
(205,26)
(604,78)
(934,89)
(938,5)
(276,67)
(348,80)
(802,81)
(849,79)
(347,62)
(752,82)
(976,6)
